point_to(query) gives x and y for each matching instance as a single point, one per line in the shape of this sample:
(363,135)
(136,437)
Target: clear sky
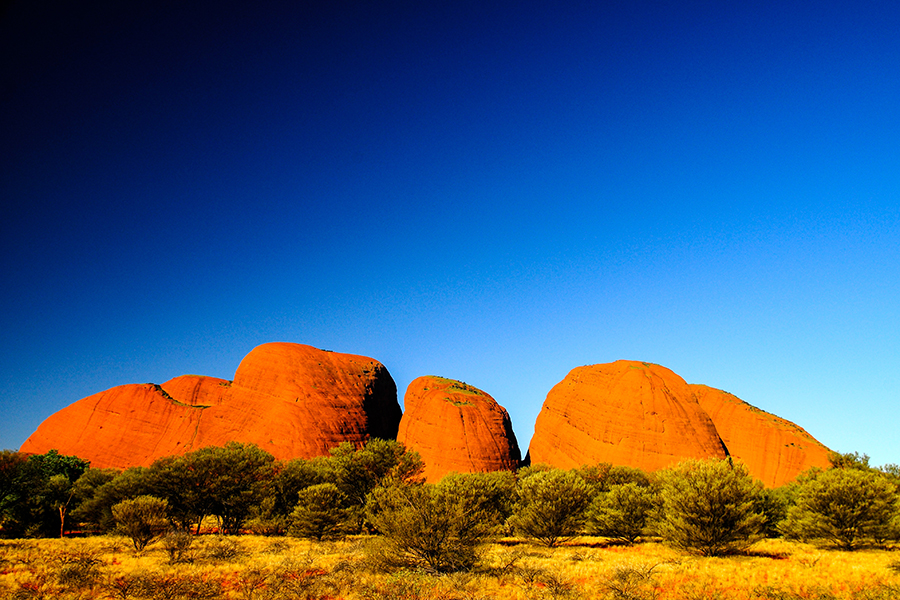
(495,192)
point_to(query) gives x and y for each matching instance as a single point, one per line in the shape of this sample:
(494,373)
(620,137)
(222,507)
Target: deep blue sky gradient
(493,192)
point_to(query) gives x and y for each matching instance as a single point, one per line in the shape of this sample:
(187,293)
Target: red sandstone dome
(625,413)
(774,449)
(644,415)
(289,399)
(456,427)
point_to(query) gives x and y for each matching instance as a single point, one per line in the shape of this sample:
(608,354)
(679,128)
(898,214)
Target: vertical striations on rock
(456,427)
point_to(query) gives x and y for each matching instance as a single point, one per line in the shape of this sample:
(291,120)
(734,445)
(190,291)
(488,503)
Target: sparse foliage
(142,519)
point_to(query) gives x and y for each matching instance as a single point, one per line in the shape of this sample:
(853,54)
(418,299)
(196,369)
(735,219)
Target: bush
(427,525)
(550,507)
(490,495)
(77,570)
(319,513)
(622,513)
(845,507)
(709,507)
(177,545)
(142,519)
(222,548)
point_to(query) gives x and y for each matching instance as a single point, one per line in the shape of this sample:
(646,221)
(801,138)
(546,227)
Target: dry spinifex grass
(269,568)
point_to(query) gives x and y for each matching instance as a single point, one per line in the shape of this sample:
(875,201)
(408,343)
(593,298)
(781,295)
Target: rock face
(774,449)
(644,415)
(128,425)
(289,399)
(456,427)
(625,413)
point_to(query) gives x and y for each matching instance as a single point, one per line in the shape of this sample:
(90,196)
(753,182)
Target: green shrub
(846,507)
(550,506)
(142,519)
(427,525)
(709,507)
(622,513)
(320,513)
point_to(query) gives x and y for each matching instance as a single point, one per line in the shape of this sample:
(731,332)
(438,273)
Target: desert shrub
(173,585)
(127,585)
(77,570)
(845,507)
(221,548)
(623,513)
(320,513)
(177,545)
(550,506)
(142,519)
(709,507)
(849,460)
(427,525)
(773,504)
(631,582)
(621,474)
(491,495)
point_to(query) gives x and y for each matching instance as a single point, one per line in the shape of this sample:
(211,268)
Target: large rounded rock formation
(774,449)
(625,413)
(456,427)
(289,399)
(128,425)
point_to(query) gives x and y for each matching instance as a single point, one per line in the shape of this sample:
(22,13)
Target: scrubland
(273,568)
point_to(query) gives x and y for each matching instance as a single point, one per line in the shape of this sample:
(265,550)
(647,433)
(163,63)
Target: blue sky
(492,192)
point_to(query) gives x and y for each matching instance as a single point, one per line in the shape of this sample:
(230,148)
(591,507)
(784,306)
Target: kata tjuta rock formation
(456,427)
(291,400)
(644,415)
(625,413)
(774,449)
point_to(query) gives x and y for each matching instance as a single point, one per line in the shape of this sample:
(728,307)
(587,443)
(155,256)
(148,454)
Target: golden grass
(271,568)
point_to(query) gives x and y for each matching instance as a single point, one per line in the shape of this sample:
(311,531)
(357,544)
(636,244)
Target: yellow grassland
(271,568)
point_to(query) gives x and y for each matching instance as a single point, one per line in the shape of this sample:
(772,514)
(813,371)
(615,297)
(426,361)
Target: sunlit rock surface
(456,427)
(625,413)
(774,449)
(289,399)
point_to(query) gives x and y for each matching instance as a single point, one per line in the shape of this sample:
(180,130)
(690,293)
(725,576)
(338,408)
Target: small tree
(550,506)
(229,481)
(142,519)
(319,513)
(356,472)
(622,513)
(845,507)
(709,507)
